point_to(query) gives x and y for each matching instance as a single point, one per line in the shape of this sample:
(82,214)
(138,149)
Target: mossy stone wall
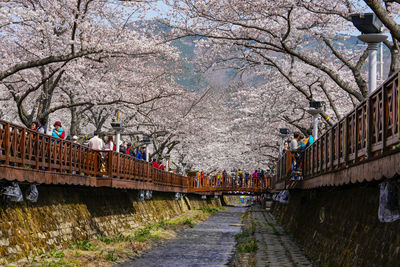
(65,214)
(340,227)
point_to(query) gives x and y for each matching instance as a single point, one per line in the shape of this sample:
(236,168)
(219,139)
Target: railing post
(331,148)
(398,104)
(345,141)
(383,114)
(7,143)
(70,157)
(80,160)
(368,129)
(320,146)
(60,155)
(22,147)
(311,148)
(356,135)
(50,144)
(110,164)
(37,151)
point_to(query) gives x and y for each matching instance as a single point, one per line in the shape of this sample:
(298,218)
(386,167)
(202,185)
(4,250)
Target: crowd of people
(96,142)
(296,146)
(237,178)
(299,142)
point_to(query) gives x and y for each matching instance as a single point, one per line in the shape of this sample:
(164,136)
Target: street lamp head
(117,125)
(284,131)
(146,140)
(317,104)
(367,23)
(183,164)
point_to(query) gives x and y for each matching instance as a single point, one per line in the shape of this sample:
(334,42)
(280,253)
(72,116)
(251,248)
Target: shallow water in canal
(210,243)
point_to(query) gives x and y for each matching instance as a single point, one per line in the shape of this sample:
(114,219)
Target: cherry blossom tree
(70,54)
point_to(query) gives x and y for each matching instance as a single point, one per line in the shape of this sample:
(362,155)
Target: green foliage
(56,254)
(105,240)
(248,247)
(211,211)
(111,256)
(189,223)
(244,215)
(253,226)
(84,245)
(142,235)
(241,235)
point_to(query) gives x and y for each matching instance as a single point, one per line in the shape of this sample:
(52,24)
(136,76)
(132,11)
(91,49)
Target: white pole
(381,63)
(117,140)
(147,153)
(372,51)
(315,126)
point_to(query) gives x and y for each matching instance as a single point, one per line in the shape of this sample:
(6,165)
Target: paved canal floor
(275,247)
(210,243)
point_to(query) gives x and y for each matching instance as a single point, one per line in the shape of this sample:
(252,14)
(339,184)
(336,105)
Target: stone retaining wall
(340,227)
(65,214)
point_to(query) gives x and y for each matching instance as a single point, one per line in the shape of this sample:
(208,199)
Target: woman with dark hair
(41,126)
(34,126)
(109,143)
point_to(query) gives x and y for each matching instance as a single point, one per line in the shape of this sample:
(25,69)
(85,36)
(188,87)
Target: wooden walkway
(363,146)
(27,156)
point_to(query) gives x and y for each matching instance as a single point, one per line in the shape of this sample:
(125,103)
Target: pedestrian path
(210,243)
(275,247)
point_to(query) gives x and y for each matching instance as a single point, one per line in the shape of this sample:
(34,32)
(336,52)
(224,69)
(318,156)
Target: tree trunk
(395,59)
(75,122)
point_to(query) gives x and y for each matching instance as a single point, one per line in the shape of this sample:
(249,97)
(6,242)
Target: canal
(210,243)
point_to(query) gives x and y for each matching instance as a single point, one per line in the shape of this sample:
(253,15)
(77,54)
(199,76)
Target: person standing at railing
(155,164)
(161,166)
(141,154)
(96,142)
(42,126)
(109,145)
(58,130)
(34,126)
(308,141)
(294,143)
(254,175)
(75,139)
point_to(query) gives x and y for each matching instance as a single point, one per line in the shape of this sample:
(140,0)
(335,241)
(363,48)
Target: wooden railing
(230,183)
(368,132)
(27,149)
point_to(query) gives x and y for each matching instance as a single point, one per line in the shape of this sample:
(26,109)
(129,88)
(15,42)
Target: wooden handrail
(23,148)
(368,132)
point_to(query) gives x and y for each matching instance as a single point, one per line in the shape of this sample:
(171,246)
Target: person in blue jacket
(141,154)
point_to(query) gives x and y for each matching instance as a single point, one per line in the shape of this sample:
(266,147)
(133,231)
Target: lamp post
(183,168)
(315,110)
(147,140)
(168,157)
(371,28)
(118,128)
